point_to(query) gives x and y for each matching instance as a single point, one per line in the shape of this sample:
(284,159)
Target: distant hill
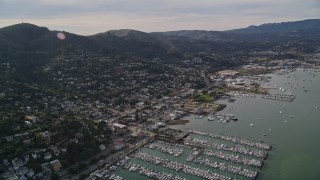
(132,42)
(266,32)
(194,34)
(31,37)
(28,47)
(310,24)
(36,45)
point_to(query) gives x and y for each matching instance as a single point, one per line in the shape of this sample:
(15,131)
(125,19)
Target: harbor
(289,126)
(280,97)
(260,146)
(199,155)
(222,117)
(242,94)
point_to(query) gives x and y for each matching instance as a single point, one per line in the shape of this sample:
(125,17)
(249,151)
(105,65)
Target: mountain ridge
(265,31)
(280,27)
(29,38)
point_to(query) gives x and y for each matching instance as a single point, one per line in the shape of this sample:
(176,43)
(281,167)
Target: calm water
(295,153)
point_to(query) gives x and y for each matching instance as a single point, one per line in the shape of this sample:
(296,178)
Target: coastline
(171,123)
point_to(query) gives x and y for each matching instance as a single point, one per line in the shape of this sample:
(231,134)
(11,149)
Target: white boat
(200,117)
(211,119)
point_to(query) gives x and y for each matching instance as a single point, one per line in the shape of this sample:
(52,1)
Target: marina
(292,133)
(199,155)
(222,117)
(280,97)
(225,147)
(242,94)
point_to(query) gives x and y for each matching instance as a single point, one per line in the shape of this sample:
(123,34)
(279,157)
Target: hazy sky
(93,16)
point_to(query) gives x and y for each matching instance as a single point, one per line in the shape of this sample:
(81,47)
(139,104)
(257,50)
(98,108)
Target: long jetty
(180,167)
(235,140)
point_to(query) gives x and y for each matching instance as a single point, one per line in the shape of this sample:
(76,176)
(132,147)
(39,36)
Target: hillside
(272,32)
(29,46)
(284,27)
(135,43)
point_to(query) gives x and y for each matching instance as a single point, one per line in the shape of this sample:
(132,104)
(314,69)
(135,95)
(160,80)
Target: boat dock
(280,97)
(200,156)
(235,140)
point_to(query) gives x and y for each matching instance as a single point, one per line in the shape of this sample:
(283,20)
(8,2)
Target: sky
(87,17)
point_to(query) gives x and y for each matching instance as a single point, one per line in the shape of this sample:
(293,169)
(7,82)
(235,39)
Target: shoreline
(177,122)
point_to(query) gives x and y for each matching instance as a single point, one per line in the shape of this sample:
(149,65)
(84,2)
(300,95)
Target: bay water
(294,132)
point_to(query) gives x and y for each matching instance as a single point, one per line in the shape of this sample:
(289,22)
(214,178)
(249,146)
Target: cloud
(88,17)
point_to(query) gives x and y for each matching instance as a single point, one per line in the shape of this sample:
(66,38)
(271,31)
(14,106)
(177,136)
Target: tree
(73,153)
(93,161)
(74,170)
(82,166)
(5,128)
(19,152)
(74,125)
(54,176)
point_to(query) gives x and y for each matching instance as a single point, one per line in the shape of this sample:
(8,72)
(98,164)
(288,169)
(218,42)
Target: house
(63,149)
(46,134)
(5,162)
(138,133)
(119,129)
(46,168)
(28,108)
(172,116)
(140,105)
(225,73)
(56,165)
(9,175)
(21,136)
(9,138)
(30,173)
(22,171)
(38,176)
(35,155)
(117,125)
(79,136)
(33,119)
(153,127)
(47,155)
(26,158)
(17,162)
(102,147)
(161,124)
(55,150)
(27,142)
(27,123)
